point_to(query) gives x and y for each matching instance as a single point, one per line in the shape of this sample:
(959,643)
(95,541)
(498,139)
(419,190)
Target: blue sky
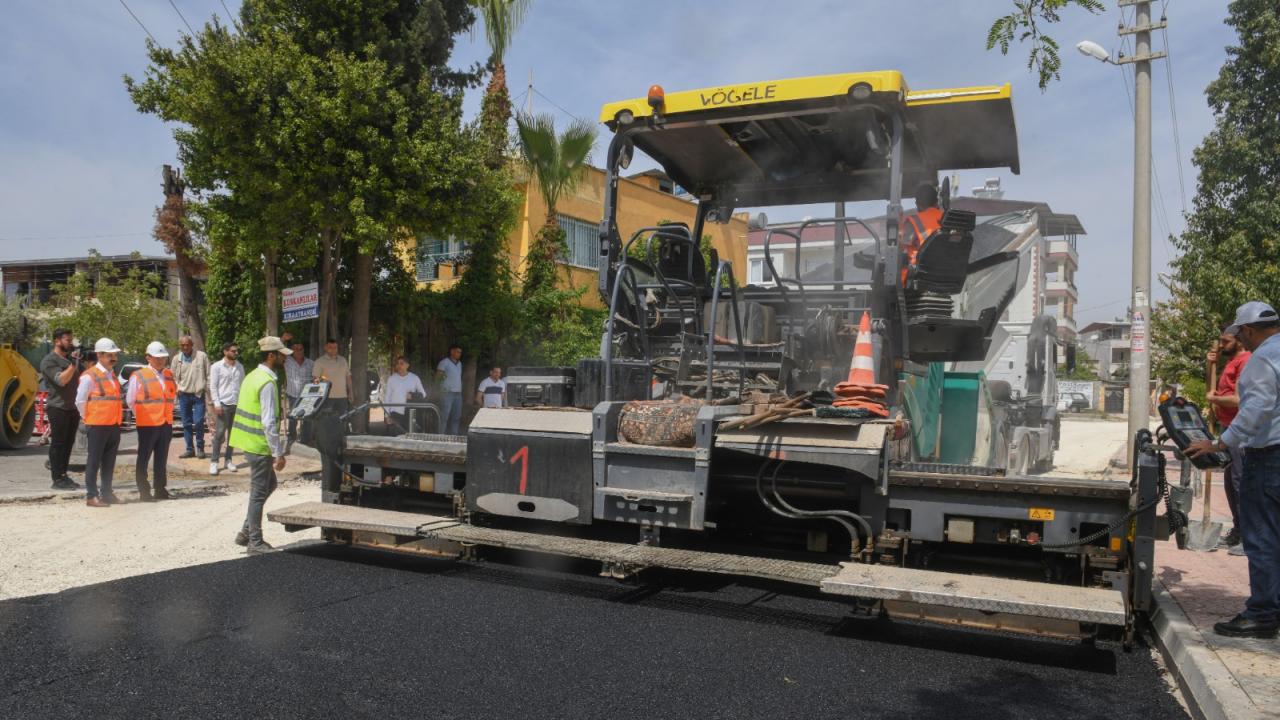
(80,167)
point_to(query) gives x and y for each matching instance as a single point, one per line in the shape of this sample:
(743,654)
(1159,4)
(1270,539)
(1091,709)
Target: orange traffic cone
(862,370)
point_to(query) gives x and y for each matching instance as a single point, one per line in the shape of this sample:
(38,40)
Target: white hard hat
(156,349)
(106,345)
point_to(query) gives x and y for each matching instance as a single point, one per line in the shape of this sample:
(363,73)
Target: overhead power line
(554,103)
(1173,111)
(184,20)
(135,19)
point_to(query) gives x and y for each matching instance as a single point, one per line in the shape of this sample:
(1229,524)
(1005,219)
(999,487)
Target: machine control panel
(310,401)
(1185,425)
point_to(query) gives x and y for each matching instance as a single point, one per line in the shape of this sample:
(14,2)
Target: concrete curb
(1206,683)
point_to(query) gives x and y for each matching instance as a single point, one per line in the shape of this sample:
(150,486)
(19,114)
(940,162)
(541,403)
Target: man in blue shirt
(449,373)
(1256,432)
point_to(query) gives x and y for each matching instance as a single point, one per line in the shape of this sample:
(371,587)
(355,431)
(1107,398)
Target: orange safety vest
(921,225)
(153,404)
(104,406)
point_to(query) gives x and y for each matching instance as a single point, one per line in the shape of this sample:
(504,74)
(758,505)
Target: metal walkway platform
(882,582)
(975,592)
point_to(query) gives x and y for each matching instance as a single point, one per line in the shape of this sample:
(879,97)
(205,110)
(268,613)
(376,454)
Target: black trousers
(62,437)
(153,446)
(104,443)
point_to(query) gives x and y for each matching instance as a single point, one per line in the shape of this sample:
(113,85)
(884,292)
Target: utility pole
(1139,330)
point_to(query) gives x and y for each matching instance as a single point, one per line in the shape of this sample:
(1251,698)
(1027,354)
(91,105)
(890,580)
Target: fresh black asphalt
(329,632)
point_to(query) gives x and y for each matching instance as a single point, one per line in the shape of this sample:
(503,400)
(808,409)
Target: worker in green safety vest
(255,430)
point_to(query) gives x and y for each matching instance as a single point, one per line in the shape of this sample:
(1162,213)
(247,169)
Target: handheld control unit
(1185,425)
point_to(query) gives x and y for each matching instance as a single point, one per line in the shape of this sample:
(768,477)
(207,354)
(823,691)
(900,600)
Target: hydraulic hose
(796,514)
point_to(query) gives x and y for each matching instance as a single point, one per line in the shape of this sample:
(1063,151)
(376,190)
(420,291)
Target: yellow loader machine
(809,430)
(18,386)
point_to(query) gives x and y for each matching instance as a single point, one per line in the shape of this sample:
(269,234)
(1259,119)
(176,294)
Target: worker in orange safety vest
(915,228)
(101,405)
(151,396)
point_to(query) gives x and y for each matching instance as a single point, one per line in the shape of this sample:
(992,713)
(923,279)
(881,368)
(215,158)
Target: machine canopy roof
(817,139)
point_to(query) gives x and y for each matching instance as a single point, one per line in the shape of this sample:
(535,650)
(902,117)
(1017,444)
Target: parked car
(1073,402)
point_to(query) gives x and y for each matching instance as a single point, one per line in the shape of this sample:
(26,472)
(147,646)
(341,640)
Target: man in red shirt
(1225,400)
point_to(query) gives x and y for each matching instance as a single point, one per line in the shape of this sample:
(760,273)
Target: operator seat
(942,265)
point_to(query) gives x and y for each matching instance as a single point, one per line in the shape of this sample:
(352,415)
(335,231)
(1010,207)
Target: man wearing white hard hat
(101,406)
(256,432)
(1255,431)
(151,396)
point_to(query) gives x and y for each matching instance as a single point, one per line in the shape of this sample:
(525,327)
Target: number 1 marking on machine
(523,456)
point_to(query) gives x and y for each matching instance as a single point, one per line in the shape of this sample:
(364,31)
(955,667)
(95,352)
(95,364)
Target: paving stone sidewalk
(1208,587)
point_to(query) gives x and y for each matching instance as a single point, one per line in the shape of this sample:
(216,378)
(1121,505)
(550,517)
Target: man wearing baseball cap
(101,406)
(151,396)
(256,432)
(1256,432)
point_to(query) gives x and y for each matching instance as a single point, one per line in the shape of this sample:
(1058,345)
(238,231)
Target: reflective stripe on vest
(104,405)
(153,401)
(247,432)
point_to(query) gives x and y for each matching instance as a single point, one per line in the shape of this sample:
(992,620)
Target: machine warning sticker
(1040,514)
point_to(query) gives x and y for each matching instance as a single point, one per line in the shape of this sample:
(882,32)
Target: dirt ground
(55,545)
(1087,446)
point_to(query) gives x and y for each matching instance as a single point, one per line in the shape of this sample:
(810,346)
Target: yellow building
(644,200)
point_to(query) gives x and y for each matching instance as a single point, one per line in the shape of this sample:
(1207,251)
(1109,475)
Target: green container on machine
(960,391)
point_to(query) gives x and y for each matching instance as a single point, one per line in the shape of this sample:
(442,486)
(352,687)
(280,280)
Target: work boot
(162,494)
(1241,626)
(262,548)
(95,502)
(242,538)
(187,454)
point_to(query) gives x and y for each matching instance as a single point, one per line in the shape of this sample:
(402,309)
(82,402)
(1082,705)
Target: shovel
(1203,535)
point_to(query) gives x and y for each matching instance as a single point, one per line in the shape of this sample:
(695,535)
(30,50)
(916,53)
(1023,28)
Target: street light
(1139,347)
(1093,50)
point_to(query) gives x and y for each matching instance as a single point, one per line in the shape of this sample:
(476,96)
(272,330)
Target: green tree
(1230,252)
(1026,24)
(18,327)
(1085,369)
(101,301)
(481,306)
(501,20)
(328,125)
(556,164)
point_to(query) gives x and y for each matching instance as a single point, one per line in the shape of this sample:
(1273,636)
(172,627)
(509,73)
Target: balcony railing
(1064,248)
(1060,287)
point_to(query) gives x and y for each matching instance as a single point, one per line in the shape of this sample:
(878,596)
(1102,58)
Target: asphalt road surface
(323,631)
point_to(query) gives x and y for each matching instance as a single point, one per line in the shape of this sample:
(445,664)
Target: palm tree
(557,164)
(501,20)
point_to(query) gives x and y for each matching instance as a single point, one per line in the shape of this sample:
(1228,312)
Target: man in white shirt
(492,392)
(399,385)
(298,372)
(225,377)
